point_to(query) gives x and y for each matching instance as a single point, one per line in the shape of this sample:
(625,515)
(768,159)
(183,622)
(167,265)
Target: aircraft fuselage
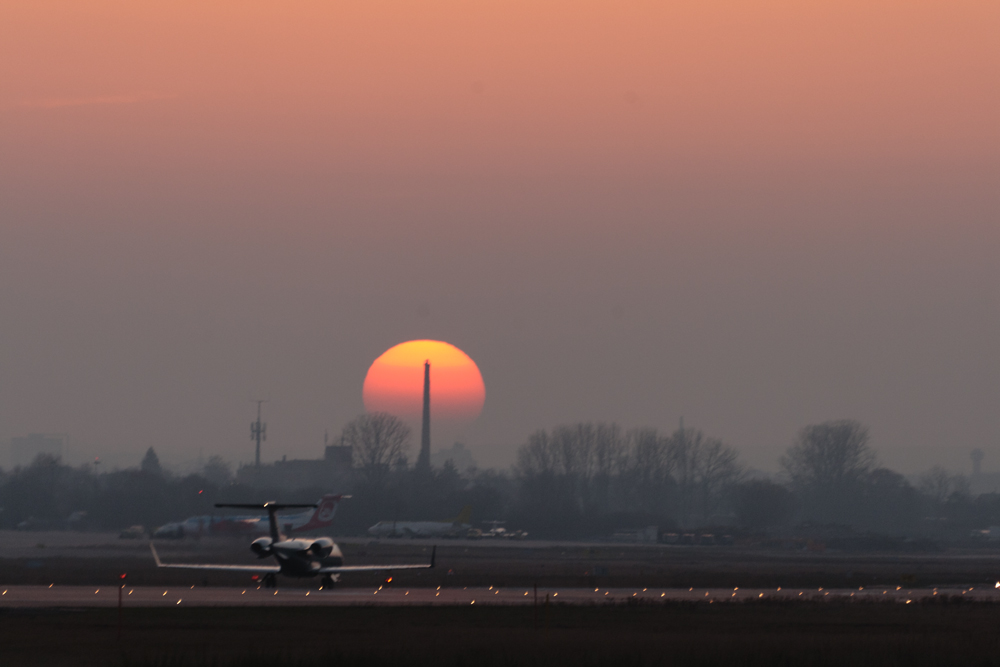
(304,558)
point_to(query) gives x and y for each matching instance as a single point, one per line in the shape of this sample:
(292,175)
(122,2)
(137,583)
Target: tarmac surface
(55,543)
(62,597)
(68,559)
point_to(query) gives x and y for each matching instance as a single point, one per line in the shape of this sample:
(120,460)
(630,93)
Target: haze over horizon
(754,217)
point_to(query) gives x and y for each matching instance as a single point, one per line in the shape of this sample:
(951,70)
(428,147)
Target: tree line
(579,480)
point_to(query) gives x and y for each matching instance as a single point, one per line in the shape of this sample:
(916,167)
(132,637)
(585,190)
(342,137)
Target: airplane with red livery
(291,524)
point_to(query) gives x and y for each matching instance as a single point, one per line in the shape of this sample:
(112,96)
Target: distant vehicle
(991,534)
(308,557)
(457,527)
(197,526)
(136,532)
(496,531)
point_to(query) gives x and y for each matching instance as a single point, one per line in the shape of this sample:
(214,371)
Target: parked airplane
(197,526)
(308,557)
(457,527)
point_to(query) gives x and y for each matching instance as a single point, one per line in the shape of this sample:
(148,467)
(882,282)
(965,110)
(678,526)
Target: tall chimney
(424,460)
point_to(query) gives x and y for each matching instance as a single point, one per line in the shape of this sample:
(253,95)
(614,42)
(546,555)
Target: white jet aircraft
(304,557)
(457,527)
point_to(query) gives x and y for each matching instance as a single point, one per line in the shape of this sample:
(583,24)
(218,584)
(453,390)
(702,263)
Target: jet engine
(322,547)
(261,546)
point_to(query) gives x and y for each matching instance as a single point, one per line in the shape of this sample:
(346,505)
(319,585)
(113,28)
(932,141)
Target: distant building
(982,482)
(330,473)
(339,455)
(24,450)
(458,454)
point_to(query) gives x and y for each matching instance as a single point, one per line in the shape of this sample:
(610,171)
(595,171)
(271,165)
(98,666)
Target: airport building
(332,472)
(458,454)
(981,482)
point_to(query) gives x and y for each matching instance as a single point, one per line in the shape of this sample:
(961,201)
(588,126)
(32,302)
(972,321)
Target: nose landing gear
(270,580)
(328,582)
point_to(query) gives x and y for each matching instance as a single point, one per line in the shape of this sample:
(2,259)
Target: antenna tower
(258,432)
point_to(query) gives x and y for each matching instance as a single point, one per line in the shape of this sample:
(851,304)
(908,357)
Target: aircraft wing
(208,566)
(378,568)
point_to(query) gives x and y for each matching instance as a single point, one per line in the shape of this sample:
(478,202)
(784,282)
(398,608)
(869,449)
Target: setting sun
(395,382)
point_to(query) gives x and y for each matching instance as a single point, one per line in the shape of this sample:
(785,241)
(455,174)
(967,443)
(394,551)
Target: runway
(14,597)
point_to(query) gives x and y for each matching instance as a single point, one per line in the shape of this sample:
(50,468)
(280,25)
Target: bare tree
(583,451)
(542,465)
(593,469)
(538,456)
(647,478)
(217,471)
(939,485)
(578,462)
(828,464)
(573,448)
(608,455)
(716,470)
(380,441)
(684,449)
(703,468)
(829,455)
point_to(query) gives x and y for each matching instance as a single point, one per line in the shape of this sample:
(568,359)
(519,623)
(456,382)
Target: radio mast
(258,432)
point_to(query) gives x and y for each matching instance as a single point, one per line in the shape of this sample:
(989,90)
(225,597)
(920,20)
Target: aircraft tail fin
(465,516)
(326,508)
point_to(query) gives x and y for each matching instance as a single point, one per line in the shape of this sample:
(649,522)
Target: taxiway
(57,596)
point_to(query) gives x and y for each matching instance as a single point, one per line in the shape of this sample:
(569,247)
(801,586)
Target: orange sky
(753,214)
(497,85)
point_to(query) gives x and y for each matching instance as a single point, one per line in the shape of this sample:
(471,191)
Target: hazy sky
(757,215)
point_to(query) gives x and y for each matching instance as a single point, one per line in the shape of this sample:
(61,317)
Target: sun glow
(395,382)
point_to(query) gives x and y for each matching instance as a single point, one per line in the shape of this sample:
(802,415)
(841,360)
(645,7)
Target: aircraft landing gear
(328,582)
(270,580)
